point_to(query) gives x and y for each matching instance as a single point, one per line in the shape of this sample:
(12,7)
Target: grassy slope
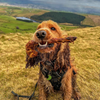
(14,76)
(60,17)
(8,24)
(86,52)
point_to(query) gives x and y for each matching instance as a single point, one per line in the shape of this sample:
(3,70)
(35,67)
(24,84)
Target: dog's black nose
(41,34)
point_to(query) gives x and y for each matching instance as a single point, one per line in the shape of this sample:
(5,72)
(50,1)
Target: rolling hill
(72,18)
(65,18)
(60,17)
(9,24)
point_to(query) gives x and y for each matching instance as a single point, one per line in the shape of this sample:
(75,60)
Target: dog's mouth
(44,44)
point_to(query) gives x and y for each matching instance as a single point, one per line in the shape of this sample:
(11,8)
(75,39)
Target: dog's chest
(47,68)
(54,77)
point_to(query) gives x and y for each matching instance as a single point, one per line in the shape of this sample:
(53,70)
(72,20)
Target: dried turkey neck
(31,46)
(53,40)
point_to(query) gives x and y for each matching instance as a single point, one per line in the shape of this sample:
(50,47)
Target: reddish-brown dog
(56,71)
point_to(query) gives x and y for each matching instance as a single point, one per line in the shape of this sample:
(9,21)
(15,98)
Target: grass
(87,55)
(12,63)
(85,52)
(8,24)
(68,28)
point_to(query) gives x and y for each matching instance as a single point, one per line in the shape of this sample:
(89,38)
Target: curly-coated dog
(56,71)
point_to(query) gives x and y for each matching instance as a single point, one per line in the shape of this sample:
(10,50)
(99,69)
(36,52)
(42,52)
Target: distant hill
(60,17)
(92,20)
(65,18)
(69,18)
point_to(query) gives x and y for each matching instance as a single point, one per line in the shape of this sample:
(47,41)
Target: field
(9,24)
(14,76)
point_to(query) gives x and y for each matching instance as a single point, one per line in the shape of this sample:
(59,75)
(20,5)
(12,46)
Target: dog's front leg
(42,93)
(76,94)
(66,86)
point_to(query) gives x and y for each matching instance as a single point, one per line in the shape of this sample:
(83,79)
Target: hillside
(65,18)
(92,20)
(85,51)
(60,17)
(71,18)
(9,24)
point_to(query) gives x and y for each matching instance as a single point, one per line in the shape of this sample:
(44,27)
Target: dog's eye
(52,28)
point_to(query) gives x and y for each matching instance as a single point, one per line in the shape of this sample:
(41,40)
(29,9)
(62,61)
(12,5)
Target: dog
(56,70)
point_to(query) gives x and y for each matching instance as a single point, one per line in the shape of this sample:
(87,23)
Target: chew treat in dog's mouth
(32,47)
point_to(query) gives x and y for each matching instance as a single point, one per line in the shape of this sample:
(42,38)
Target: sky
(93,3)
(84,6)
(83,3)
(77,5)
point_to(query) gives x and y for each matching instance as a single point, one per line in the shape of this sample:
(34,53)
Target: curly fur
(61,58)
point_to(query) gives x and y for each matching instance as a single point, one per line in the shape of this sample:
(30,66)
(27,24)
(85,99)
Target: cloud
(83,6)
(86,6)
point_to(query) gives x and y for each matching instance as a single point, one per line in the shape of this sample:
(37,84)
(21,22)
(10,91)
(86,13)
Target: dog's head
(46,31)
(48,37)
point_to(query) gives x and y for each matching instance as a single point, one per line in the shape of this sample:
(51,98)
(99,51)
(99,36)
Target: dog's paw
(77,96)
